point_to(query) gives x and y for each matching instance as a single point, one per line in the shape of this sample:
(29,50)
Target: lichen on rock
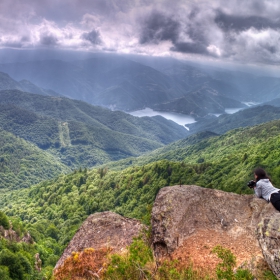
(269,238)
(103,230)
(189,221)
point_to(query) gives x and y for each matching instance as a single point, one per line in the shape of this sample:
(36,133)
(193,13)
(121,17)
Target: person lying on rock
(264,189)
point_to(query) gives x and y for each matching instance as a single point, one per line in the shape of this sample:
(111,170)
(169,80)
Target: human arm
(258,190)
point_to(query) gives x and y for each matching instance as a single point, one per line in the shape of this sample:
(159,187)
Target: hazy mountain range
(122,83)
(69,133)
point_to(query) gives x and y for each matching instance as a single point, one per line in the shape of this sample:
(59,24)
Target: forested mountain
(7,83)
(23,164)
(200,103)
(156,128)
(243,118)
(205,147)
(97,79)
(45,135)
(71,134)
(236,84)
(223,162)
(126,84)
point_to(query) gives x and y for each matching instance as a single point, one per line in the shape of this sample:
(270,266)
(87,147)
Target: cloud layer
(247,31)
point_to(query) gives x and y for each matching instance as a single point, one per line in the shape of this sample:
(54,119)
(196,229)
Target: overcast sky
(229,30)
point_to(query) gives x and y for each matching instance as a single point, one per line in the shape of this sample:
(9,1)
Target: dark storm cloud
(237,31)
(270,48)
(17,45)
(25,39)
(48,40)
(159,27)
(241,23)
(93,37)
(185,47)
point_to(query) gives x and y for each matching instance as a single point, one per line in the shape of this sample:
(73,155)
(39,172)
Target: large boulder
(269,238)
(103,230)
(189,221)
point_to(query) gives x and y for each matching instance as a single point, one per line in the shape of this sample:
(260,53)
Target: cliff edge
(189,221)
(103,230)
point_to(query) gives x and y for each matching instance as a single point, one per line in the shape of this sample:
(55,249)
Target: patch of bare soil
(197,249)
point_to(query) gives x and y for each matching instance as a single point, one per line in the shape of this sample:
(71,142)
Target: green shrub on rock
(4,220)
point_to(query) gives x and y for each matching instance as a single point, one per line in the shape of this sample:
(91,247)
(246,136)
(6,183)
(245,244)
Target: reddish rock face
(189,221)
(103,230)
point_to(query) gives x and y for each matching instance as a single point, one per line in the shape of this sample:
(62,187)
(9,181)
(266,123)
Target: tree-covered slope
(64,109)
(23,164)
(247,146)
(200,103)
(40,130)
(79,134)
(244,118)
(73,143)
(222,162)
(18,251)
(6,82)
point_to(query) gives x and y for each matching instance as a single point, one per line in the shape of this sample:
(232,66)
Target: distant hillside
(205,147)
(235,84)
(123,83)
(95,80)
(22,164)
(246,117)
(223,162)
(274,102)
(200,103)
(164,153)
(156,128)
(79,134)
(7,83)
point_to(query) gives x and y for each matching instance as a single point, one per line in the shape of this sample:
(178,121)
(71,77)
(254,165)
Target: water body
(180,119)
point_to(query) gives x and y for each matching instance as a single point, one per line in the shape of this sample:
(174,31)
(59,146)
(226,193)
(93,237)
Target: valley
(139,140)
(107,133)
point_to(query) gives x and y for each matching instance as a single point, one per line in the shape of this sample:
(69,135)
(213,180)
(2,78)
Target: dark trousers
(275,200)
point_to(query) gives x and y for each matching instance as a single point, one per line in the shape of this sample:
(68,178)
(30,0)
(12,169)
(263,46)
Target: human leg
(275,200)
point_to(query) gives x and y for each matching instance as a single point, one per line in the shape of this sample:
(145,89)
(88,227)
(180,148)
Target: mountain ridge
(76,134)
(121,83)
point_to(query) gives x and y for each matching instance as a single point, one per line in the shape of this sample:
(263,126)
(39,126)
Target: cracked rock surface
(189,221)
(269,238)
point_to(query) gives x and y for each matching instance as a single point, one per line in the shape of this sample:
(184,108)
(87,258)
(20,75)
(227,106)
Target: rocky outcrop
(103,230)
(188,221)
(269,238)
(11,235)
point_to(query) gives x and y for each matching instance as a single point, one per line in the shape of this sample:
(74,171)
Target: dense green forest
(53,210)
(43,136)
(17,259)
(23,164)
(236,151)
(63,109)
